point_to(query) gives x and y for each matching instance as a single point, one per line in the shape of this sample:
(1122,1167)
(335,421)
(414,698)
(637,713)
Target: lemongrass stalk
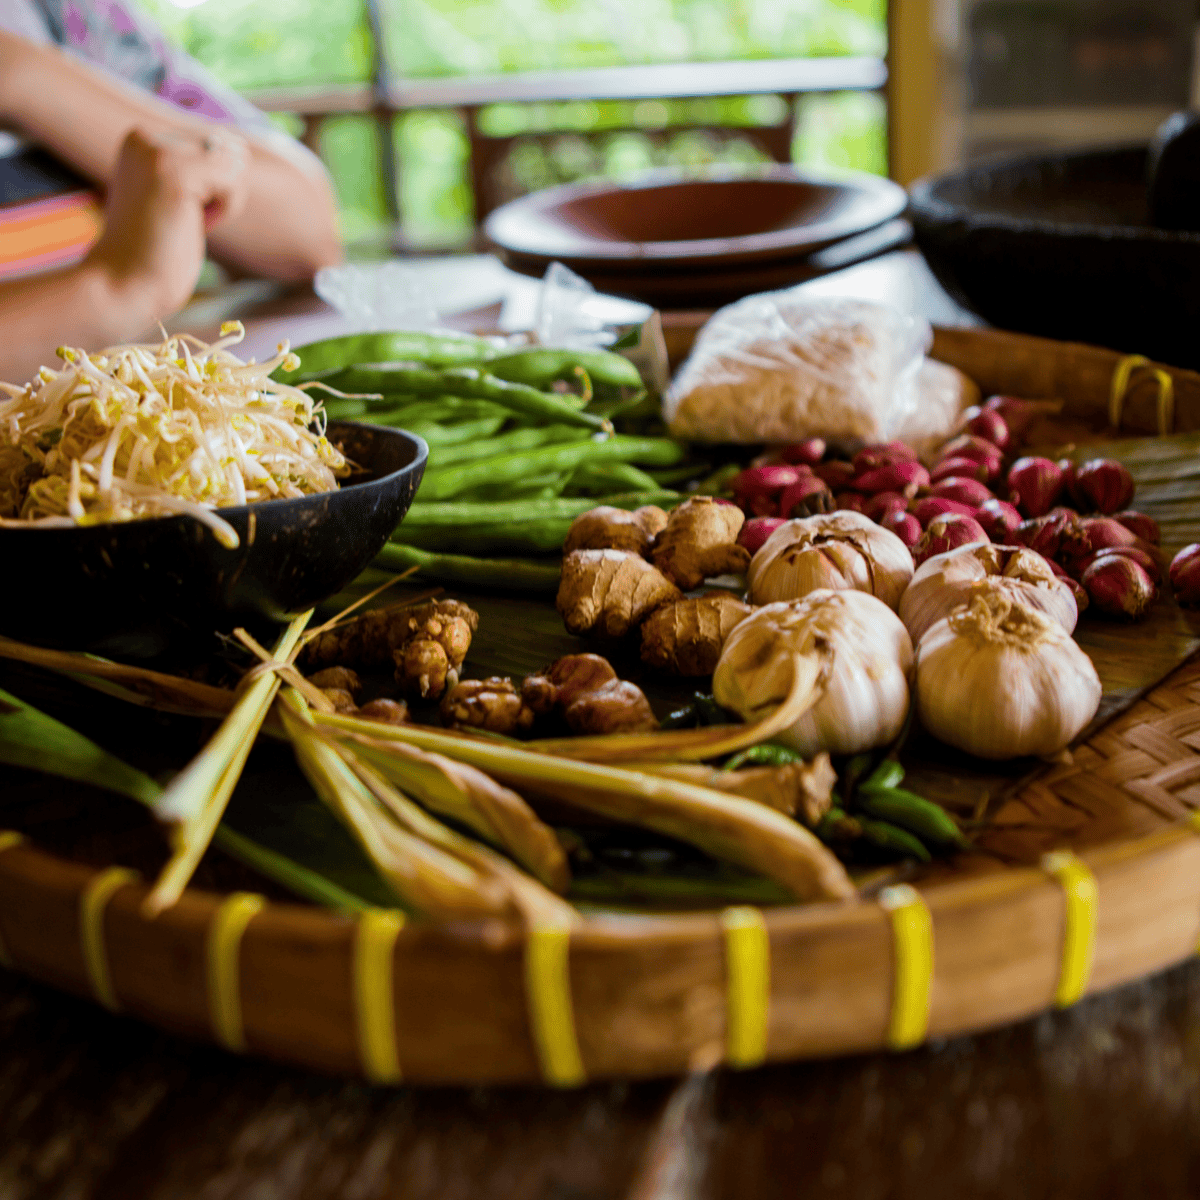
(728,827)
(809,675)
(29,738)
(162,690)
(422,875)
(193,803)
(536,903)
(466,794)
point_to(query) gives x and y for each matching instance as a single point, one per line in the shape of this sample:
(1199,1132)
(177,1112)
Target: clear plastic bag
(782,366)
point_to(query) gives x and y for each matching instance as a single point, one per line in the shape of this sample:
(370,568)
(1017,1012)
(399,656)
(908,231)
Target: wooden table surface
(1099,1101)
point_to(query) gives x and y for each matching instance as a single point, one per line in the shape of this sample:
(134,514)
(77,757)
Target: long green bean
(611,476)
(510,574)
(526,438)
(435,349)
(508,527)
(452,481)
(467,383)
(540,366)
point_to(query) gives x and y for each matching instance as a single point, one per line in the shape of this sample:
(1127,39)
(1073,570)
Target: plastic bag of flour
(780,366)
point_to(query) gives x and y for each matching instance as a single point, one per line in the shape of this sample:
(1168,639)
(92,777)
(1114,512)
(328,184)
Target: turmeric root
(423,644)
(493,704)
(686,636)
(609,591)
(699,541)
(590,696)
(608,528)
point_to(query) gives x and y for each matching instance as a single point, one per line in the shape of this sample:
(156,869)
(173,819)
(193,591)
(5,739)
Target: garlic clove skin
(944,582)
(841,550)
(1000,680)
(867,654)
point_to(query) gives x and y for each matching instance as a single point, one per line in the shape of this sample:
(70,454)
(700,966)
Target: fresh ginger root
(699,541)
(337,677)
(493,704)
(608,528)
(590,696)
(425,644)
(609,591)
(686,636)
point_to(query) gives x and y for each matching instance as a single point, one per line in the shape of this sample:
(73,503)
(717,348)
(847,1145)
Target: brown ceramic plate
(666,220)
(715,284)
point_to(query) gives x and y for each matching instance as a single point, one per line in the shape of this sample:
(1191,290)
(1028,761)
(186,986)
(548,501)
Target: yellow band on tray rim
(1079,924)
(223,947)
(1120,387)
(551,1010)
(8,839)
(374,994)
(92,903)
(747,985)
(912,949)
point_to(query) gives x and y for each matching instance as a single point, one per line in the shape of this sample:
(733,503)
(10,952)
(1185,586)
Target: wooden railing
(789,78)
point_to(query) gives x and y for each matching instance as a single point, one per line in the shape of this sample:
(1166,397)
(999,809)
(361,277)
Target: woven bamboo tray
(1088,876)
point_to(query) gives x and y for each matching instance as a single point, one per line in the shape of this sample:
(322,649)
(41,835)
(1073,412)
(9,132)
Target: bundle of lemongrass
(390,784)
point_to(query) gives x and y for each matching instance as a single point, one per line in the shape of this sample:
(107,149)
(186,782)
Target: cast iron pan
(148,589)
(1062,245)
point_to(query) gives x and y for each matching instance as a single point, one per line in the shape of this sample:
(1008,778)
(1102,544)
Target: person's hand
(167,192)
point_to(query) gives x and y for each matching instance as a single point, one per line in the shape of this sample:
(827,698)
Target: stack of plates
(679,240)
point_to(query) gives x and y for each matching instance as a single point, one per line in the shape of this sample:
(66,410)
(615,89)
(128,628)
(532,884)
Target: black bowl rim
(245,510)
(927,205)
(888,198)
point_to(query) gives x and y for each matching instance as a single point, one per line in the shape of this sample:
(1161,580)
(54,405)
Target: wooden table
(1099,1101)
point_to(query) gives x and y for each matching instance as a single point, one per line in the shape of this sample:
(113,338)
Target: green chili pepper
(711,713)
(887,775)
(540,366)
(838,827)
(507,574)
(681,718)
(452,481)
(912,812)
(765,754)
(433,349)
(467,383)
(889,837)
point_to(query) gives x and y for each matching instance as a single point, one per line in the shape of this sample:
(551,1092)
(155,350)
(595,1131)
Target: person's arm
(287,229)
(168,191)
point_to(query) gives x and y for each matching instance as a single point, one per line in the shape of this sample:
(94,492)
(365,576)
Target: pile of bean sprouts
(145,431)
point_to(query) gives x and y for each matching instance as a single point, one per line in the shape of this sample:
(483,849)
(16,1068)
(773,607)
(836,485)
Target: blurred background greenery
(309,43)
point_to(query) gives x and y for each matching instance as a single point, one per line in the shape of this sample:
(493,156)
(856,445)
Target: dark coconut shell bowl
(145,589)
(1062,245)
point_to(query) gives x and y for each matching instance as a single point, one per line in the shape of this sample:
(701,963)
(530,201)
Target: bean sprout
(145,431)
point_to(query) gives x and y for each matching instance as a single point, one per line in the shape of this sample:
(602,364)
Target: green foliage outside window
(295,43)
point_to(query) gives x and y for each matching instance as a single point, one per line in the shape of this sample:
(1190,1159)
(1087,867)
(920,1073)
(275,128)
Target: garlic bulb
(837,550)
(999,679)
(944,581)
(866,653)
